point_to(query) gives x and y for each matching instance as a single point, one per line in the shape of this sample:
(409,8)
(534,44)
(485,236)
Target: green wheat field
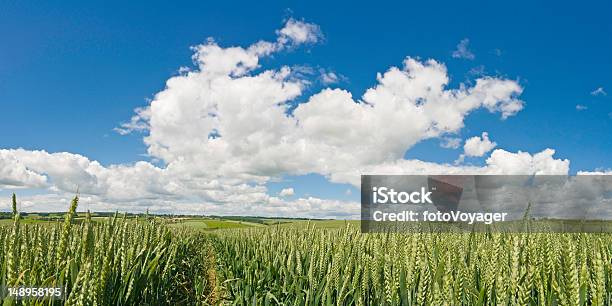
(153,260)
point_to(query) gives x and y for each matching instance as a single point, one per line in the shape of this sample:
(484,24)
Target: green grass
(205,223)
(209,224)
(323,224)
(25,221)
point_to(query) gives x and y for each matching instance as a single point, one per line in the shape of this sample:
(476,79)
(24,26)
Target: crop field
(147,260)
(209,224)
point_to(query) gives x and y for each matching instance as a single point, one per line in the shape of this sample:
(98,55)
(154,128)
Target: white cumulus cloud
(14,173)
(286,192)
(450,142)
(499,162)
(478,146)
(599,91)
(328,77)
(223,130)
(463,50)
(299,32)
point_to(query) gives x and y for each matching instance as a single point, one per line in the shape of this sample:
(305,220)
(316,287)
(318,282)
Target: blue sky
(70,72)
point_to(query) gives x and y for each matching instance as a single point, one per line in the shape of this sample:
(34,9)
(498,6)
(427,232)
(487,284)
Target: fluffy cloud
(580,107)
(225,128)
(450,142)
(599,91)
(14,173)
(596,172)
(222,120)
(299,32)
(286,192)
(542,163)
(273,207)
(500,162)
(463,50)
(71,172)
(478,146)
(329,77)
